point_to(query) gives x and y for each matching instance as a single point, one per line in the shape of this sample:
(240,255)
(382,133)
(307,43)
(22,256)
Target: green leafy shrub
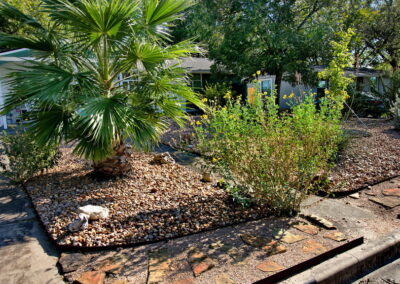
(25,157)
(271,158)
(217,93)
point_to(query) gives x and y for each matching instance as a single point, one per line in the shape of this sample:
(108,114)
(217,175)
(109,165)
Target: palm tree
(104,73)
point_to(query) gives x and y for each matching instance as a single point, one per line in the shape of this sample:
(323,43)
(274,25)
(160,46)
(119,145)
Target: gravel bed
(154,202)
(371,156)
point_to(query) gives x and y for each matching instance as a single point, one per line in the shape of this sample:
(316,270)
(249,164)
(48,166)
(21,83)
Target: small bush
(25,157)
(272,158)
(217,93)
(395,110)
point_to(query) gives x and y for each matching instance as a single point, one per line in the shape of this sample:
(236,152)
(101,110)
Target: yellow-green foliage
(338,82)
(270,158)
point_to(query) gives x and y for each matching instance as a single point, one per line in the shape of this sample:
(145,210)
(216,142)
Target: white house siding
(299,92)
(3,91)
(14,116)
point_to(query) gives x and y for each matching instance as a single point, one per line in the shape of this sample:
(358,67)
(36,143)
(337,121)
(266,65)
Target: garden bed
(153,203)
(371,155)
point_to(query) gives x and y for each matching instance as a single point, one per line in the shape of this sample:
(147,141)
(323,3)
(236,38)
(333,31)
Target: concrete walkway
(27,256)
(387,274)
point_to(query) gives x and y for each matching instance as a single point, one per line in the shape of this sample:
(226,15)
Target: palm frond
(150,54)
(51,125)
(157,12)
(47,83)
(92,18)
(14,41)
(102,121)
(10,12)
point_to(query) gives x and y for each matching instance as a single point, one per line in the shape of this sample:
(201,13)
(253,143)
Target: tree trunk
(278,83)
(116,165)
(394,65)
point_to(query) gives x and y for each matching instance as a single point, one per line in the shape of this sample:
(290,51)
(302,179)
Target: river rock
(163,158)
(80,223)
(94,212)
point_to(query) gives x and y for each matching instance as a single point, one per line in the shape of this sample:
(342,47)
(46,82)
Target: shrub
(25,157)
(217,93)
(395,110)
(271,158)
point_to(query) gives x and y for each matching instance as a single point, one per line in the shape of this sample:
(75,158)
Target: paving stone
(72,261)
(91,277)
(159,262)
(312,246)
(184,281)
(391,192)
(387,201)
(196,256)
(288,237)
(217,245)
(223,279)
(320,221)
(112,264)
(274,248)
(309,229)
(236,254)
(355,195)
(156,277)
(269,266)
(203,266)
(120,281)
(254,241)
(336,236)
(199,261)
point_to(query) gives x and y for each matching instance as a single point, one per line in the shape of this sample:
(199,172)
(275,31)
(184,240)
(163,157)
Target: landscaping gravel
(371,155)
(153,203)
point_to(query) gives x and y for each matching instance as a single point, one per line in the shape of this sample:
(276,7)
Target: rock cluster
(162,159)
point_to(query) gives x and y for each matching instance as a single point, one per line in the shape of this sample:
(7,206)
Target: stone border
(353,263)
(71,248)
(339,194)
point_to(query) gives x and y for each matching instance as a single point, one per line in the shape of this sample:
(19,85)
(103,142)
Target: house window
(197,82)
(322,85)
(266,86)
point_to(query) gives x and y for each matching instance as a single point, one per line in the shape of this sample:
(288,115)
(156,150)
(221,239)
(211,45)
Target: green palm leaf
(75,87)
(46,83)
(10,12)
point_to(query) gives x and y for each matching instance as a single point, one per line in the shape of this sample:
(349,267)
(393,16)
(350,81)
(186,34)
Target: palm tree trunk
(116,165)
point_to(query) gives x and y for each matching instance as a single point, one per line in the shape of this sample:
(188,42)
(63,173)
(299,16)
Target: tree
(104,73)
(277,37)
(382,33)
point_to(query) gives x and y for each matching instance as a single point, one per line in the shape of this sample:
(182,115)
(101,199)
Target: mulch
(372,154)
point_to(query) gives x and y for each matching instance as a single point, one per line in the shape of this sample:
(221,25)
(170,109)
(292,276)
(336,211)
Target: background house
(199,69)
(10,61)
(201,74)
(367,80)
